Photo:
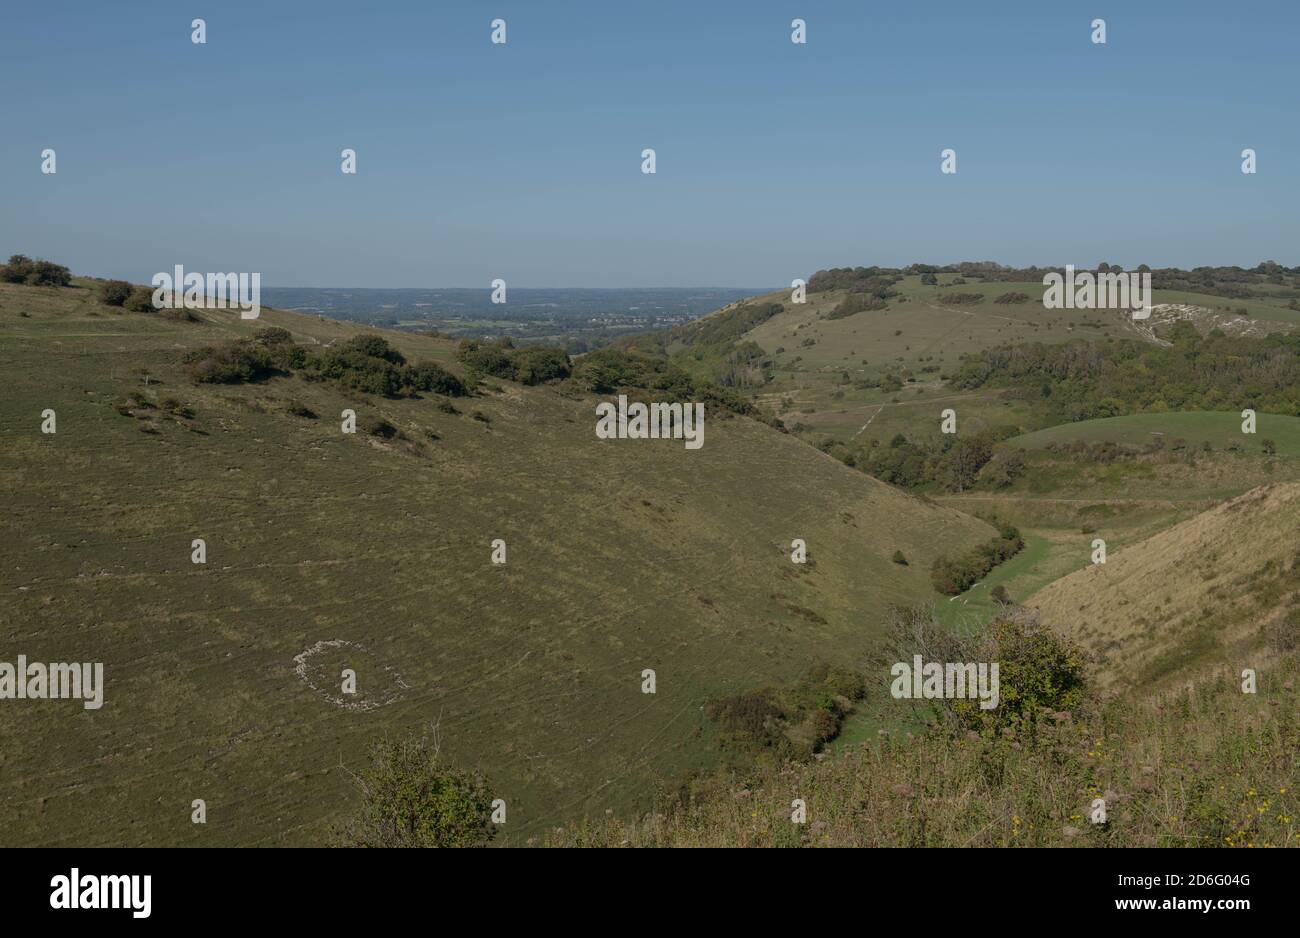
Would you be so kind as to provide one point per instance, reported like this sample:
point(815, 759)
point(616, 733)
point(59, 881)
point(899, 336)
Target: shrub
point(410, 798)
point(899, 558)
point(488, 358)
point(234, 363)
point(961, 299)
point(140, 300)
point(368, 363)
point(953, 577)
point(539, 364)
point(22, 269)
point(115, 292)
point(272, 336)
point(378, 426)
point(427, 376)
point(857, 303)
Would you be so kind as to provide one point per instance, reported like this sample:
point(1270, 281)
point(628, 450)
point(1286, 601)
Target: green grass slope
point(821, 364)
point(374, 555)
point(1222, 587)
point(1219, 429)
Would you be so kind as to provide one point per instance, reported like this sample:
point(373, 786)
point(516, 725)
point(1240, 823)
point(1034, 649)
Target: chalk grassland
point(1222, 586)
point(819, 389)
point(1197, 766)
point(373, 554)
point(1219, 429)
point(817, 360)
point(1064, 502)
point(1180, 755)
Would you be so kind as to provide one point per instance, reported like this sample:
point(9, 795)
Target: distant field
point(1219, 429)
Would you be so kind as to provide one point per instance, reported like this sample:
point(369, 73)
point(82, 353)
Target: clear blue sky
point(523, 161)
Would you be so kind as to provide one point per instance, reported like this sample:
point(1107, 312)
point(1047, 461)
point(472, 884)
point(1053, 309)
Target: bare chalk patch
point(321, 668)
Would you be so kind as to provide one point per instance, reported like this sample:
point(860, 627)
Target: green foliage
point(608, 371)
point(726, 327)
point(953, 576)
point(857, 303)
point(899, 558)
point(534, 364)
point(38, 273)
point(233, 363)
point(1091, 380)
point(790, 721)
point(953, 465)
point(854, 279)
point(410, 798)
point(1037, 671)
point(367, 363)
point(961, 299)
point(114, 292)
point(140, 300)
point(272, 336)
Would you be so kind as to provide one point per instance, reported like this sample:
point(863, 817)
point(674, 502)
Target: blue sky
point(522, 161)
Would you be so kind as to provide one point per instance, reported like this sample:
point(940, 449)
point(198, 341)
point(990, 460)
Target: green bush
point(410, 798)
point(272, 336)
point(488, 358)
point(369, 364)
point(1037, 671)
point(539, 364)
point(535, 364)
point(114, 292)
point(953, 577)
point(427, 376)
point(233, 363)
point(22, 269)
point(140, 300)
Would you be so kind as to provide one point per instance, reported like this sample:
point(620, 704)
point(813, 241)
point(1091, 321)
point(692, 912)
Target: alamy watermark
point(208, 291)
point(637, 421)
point(78, 891)
point(56, 681)
point(922, 680)
point(1104, 290)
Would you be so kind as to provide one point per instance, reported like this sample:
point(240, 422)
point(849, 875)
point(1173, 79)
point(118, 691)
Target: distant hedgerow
point(961, 299)
point(953, 577)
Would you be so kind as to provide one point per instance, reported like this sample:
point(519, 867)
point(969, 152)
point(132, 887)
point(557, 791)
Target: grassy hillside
point(328, 551)
point(1202, 766)
point(1221, 587)
point(1162, 732)
point(1219, 429)
point(825, 369)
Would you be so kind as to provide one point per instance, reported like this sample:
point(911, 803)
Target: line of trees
point(954, 576)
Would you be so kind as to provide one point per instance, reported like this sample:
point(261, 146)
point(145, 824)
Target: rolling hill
point(1222, 587)
point(371, 552)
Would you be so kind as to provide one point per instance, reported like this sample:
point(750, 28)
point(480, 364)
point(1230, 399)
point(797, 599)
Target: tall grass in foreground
point(1203, 766)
